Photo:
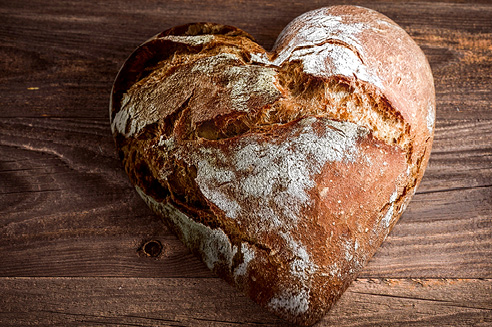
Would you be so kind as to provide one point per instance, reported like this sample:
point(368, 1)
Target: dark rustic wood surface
point(72, 229)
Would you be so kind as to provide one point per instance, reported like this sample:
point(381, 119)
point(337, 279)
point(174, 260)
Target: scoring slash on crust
point(285, 170)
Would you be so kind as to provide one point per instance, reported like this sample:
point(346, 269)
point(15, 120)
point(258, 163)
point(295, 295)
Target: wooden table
point(74, 235)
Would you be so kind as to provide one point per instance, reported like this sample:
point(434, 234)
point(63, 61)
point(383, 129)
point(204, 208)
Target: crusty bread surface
point(283, 171)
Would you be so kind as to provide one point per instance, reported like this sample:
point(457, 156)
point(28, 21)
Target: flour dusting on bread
point(270, 175)
point(325, 44)
point(190, 39)
point(292, 302)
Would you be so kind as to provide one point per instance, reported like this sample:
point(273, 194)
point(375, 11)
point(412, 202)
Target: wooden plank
point(414, 302)
point(211, 302)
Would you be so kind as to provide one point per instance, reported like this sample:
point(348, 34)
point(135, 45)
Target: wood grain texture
point(165, 302)
point(72, 227)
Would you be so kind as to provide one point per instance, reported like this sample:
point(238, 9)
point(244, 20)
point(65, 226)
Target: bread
point(283, 171)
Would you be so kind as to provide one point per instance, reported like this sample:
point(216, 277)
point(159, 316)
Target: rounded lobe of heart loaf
point(283, 171)
point(364, 44)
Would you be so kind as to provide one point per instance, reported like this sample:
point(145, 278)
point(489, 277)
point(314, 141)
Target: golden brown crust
point(283, 171)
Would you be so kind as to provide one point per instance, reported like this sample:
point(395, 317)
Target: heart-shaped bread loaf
point(283, 171)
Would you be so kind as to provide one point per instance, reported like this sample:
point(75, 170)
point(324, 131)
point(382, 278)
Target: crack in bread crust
point(294, 94)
